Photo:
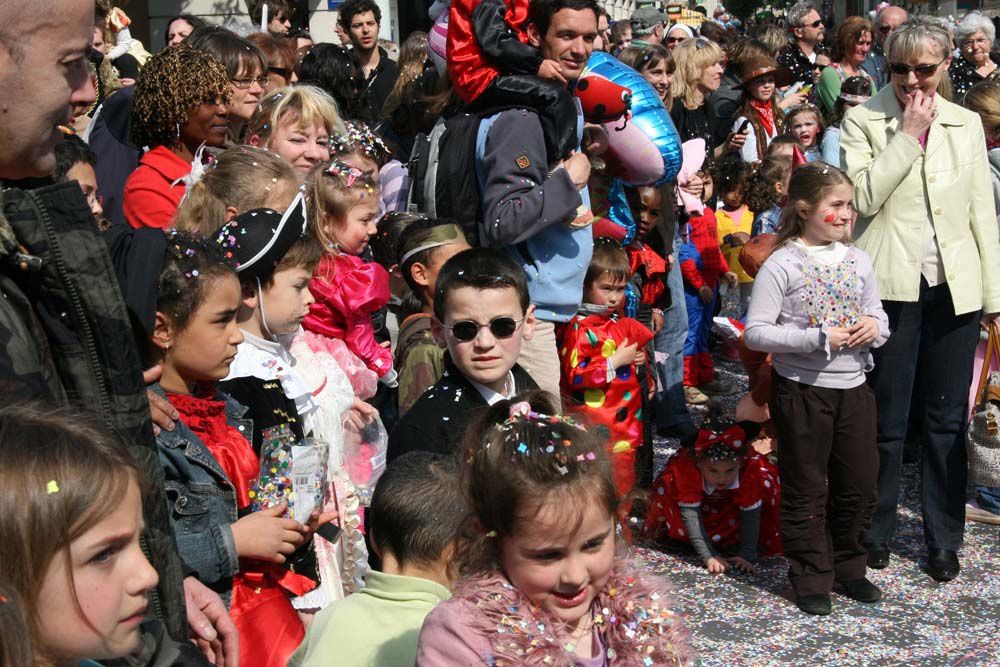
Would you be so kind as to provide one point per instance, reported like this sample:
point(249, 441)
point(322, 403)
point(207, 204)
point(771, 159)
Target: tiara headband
point(438, 236)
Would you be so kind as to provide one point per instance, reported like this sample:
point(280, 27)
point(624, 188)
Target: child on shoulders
point(545, 580)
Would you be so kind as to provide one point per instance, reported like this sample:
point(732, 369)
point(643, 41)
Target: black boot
point(862, 590)
point(817, 605)
point(942, 564)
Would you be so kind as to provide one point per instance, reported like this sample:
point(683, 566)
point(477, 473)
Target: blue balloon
point(644, 148)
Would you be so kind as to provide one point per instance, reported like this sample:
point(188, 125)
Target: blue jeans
point(988, 498)
point(671, 408)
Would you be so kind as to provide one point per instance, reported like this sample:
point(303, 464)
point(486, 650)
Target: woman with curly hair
point(180, 106)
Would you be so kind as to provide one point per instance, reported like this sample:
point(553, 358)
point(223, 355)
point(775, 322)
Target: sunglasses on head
point(500, 327)
point(922, 71)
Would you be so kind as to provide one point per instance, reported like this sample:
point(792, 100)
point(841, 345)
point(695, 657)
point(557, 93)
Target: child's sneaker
point(716, 388)
point(694, 396)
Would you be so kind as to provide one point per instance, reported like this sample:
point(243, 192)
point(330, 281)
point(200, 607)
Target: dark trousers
point(926, 335)
point(828, 465)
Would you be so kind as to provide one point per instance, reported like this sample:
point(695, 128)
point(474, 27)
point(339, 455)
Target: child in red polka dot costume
point(722, 498)
point(599, 351)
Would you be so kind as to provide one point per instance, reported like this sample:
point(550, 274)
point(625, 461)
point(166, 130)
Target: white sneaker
point(973, 512)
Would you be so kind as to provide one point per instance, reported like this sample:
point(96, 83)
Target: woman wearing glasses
point(926, 218)
point(974, 36)
point(246, 68)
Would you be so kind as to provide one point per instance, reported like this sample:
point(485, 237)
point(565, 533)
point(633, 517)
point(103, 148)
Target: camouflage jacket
point(65, 336)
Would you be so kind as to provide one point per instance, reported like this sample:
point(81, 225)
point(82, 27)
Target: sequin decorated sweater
point(798, 295)
point(488, 622)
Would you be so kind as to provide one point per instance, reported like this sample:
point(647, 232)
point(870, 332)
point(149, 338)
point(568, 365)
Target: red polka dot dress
point(681, 482)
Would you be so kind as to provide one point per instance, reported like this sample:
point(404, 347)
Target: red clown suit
point(609, 398)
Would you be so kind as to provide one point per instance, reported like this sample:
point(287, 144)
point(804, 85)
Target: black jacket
point(438, 420)
point(380, 83)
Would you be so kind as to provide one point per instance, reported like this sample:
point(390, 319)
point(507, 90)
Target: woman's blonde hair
point(333, 188)
point(692, 57)
point(911, 38)
point(308, 105)
point(62, 474)
point(809, 185)
point(242, 177)
point(984, 99)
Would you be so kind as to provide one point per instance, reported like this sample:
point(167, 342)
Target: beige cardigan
point(897, 184)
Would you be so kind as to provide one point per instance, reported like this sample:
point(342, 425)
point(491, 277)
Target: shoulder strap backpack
point(983, 435)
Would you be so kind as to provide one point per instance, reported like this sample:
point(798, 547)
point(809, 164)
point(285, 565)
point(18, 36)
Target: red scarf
point(765, 111)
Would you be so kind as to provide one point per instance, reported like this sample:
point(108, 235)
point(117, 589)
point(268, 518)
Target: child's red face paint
point(829, 216)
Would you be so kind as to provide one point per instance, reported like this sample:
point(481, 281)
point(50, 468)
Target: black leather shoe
point(862, 590)
point(942, 564)
point(878, 557)
point(817, 605)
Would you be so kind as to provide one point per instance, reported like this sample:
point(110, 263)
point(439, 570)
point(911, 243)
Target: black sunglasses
point(815, 24)
point(283, 72)
point(500, 327)
point(922, 71)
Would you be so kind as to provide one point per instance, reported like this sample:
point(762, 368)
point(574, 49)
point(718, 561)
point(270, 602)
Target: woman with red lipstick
point(926, 216)
point(180, 106)
point(850, 48)
point(545, 580)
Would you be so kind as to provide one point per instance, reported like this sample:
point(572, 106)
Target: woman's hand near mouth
point(918, 114)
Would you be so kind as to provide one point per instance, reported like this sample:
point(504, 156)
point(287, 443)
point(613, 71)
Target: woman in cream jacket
point(926, 218)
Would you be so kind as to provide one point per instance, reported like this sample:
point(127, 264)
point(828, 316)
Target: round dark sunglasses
point(500, 327)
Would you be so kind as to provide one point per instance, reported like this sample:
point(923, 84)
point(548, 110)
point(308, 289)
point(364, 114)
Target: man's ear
point(529, 323)
point(163, 332)
point(249, 296)
point(534, 37)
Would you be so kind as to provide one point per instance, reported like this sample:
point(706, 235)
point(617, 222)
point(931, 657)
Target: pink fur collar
point(633, 614)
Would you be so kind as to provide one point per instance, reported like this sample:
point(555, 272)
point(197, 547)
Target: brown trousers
point(828, 464)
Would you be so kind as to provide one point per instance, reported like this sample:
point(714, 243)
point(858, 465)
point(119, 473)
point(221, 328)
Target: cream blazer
point(898, 184)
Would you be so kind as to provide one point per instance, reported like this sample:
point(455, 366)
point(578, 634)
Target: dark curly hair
point(335, 70)
point(760, 191)
point(171, 84)
point(729, 174)
point(190, 266)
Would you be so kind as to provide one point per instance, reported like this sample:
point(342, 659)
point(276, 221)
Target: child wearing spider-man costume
point(600, 352)
point(493, 66)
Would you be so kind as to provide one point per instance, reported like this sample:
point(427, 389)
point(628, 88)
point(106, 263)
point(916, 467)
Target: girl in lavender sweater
point(546, 581)
point(816, 309)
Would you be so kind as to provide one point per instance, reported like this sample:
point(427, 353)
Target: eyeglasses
point(500, 327)
point(815, 24)
point(979, 41)
point(675, 40)
point(283, 72)
point(243, 84)
point(885, 29)
point(922, 71)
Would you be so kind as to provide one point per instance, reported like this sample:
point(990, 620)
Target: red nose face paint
point(830, 216)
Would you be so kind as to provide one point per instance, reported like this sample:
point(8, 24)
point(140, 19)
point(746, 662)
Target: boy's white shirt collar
point(492, 397)
point(271, 360)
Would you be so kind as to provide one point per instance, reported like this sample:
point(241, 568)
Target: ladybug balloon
point(644, 148)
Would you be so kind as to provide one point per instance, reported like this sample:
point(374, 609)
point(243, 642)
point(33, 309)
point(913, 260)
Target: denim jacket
point(201, 500)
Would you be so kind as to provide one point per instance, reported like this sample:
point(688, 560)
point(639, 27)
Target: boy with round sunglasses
point(482, 314)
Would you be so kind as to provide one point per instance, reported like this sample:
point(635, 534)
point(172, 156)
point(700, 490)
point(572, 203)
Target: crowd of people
point(314, 355)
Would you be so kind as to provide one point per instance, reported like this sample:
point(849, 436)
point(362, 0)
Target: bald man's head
point(887, 21)
point(43, 73)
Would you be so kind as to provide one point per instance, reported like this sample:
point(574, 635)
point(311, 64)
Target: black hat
point(257, 240)
point(127, 66)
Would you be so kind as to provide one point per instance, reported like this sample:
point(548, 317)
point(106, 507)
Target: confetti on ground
point(750, 620)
